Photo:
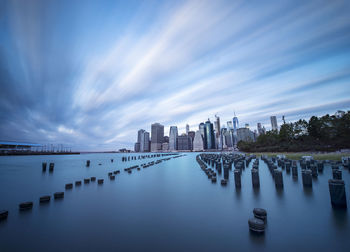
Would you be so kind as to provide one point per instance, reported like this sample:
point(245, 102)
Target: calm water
point(171, 206)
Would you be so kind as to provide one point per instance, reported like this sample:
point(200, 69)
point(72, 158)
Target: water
point(171, 206)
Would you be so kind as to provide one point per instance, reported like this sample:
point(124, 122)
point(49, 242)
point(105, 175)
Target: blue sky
point(89, 74)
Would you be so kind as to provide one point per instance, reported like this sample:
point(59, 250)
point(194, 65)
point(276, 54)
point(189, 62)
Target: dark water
point(171, 206)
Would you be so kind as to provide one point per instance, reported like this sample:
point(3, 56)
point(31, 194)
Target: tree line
point(326, 133)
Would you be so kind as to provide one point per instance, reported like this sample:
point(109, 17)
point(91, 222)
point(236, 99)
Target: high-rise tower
point(274, 125)
point(173, 134)
point(157, 137)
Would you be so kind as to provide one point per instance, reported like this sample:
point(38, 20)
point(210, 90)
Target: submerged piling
point(237, 176)
point(255, 178)
point(307, 179)
point(337, 193)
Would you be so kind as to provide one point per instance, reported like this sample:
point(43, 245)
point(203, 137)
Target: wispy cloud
point(91, 75)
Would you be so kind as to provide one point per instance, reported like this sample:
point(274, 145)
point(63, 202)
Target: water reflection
point(257, 238)
point(279, 192)
point(256, 191)
point(340, 217)
point(238, 192)
point(307, 191)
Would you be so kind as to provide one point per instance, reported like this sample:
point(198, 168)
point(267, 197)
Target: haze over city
point(91, 75)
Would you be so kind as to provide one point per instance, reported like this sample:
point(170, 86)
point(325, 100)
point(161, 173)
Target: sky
point(89, 74)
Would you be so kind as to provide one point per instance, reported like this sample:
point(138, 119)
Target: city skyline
point(90, 76)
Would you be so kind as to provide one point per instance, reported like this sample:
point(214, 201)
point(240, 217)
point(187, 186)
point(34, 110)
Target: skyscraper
point(235, 122)
point(173, 134)
point(198, 144)
point(144, 142)
point(223, 137)
point(157, 137)
point(139, 133)
point(191, 134)
point(187, 129)
point(217, 132)
point(274, 125)
point(229, 125)
point(183, 142)
point(202, 131)
point(209, 132)
point(260, 129)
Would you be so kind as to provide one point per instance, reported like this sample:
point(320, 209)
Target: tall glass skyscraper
point(274, 125)
point(157, 137)
point(209, 132)
point(202, 131)
point(173, 134)
point(235, 123)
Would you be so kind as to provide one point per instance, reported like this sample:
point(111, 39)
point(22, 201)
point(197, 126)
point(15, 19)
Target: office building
point(202, 131)
point(187, 129)
point(198, 144)
point(173, 134)
point(137, 147)
point(274, 125)
point(209, 132)
point(157, 137)
point(144, 142)
point(183, 143)
point(191, 134)
point(218, 143)
point(244, 134)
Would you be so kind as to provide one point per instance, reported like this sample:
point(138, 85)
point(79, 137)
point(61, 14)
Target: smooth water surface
point(171, 206)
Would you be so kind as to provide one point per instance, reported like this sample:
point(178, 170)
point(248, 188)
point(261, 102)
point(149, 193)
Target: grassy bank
point(298, 155)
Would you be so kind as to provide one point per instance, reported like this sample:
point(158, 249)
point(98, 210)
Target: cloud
point(91, 75)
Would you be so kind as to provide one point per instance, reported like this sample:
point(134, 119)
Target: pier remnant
point(337, 192)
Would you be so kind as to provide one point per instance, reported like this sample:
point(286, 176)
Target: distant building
point(247, 125)
point(166, 139)
point(223, 138)
point(244, 134)
point(165, 146)
point(183, 142)
point(235, 122)
point(145, 143)
point(274, 125)
point(137, 147)
point(260, 130)
point(209, 132)
point(229, 125)
point(198, 144)
point(218, 143)
point(202, 131)
point(157, 137)
point(173, 134)
point(191, 134)
point(139, 133)
point(187, 129)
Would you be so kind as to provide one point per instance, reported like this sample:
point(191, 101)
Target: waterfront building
point(165, 146)
point(260, 130)
point(274, 125)
point(157, 137)
point(173, 134)
point(191, 134)
point(235, 122)
point(209, 132)
point(244, 134)
point(137, 147)
point(223, 138)
point(202, 131)
point(217, 133)
point(144, 142)
point(183, 142)
point(229, 138)
point(198, 144)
